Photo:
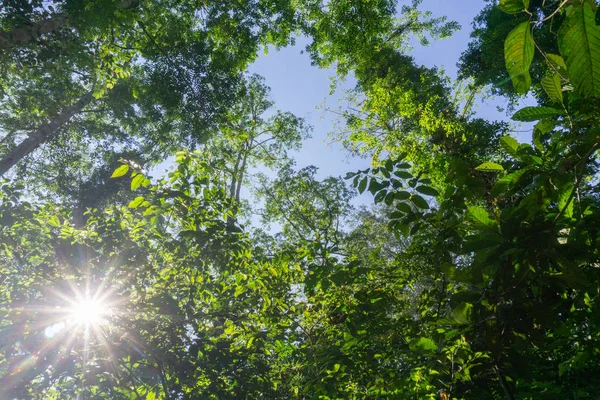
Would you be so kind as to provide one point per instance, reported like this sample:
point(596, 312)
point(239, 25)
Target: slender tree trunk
point(234, 176)
point(503, 383)
point(45, 133)
point(232, 186)
point(241, 177)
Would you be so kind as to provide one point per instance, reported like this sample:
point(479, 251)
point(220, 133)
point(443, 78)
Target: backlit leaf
point(509, 145)
point(513, 6)
point(489, 167)
point(579, 44)
point(529, 114)
point(552, 87)
point(122, 170)
point(137, 181)
point(480, 216)
point(423, 343)
point(518, 54)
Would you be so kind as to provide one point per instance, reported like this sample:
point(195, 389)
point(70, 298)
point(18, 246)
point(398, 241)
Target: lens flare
point(88, 312)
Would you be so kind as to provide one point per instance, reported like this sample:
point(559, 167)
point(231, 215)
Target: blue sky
point(299, 87)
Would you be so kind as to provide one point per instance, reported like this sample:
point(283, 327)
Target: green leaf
point(501, 186)
point(404, 207)
point(518, 54)
point(509, 145)
point(426, 190)
point(557, 63)
point(380, 196)
point(137, 181)
point(513, 6)
point(529, 114)
point(565, 201)
point(54, 221)
point(419, 202)
point(507, 182)
point(402, 195)
point(336, 367)
point(403, 174)
point(462, 313)
point(579, 44)
point(362, 185)
point(552, 87)
point(122, 170)
point(489, 167)
point(135, 203)
point(423, 344)
point(389, 198)
point(480, 216)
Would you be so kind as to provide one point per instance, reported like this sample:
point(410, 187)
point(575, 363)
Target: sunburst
point(89, 312)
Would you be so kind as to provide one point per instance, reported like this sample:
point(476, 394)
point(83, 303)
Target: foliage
point(475, 274)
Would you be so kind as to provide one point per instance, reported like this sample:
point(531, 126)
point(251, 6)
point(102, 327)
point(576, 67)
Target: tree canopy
point(474, 273)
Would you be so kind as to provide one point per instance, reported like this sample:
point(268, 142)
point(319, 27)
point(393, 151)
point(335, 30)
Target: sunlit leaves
point(122, 170)
point(480, 216)
point(137, 181)
point(518, 54)
point(579, 44)
point(136, 202)
point(490, 167)
point(423, 344)
point(462, 313)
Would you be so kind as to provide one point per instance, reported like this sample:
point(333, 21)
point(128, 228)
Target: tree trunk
point(234, 176)
point(232, 186)
point(241, 177)
point(45, 133)
point(503, 383)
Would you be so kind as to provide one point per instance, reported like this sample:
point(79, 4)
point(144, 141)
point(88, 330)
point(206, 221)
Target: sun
point(88, 312)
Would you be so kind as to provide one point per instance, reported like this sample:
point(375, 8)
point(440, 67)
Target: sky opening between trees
point(469, 270)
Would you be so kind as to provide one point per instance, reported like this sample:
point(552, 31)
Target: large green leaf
point(419, 202)
point(429, 191)
point(507, 182)
point(518, 54)
point(509, 145)
point(579, 44)
point(122, 170)
point(552, 87)
point(489, 167)
point(513, 6)
point(529, 114)
point(557, 63)
point(423, 344)
point(480, 216)
point(462, 313)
